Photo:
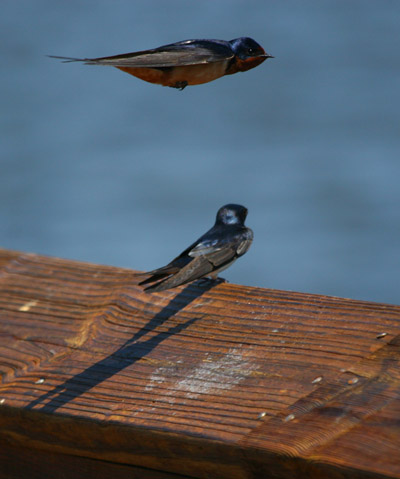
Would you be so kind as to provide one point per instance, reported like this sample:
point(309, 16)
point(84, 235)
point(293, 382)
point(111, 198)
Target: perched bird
point(190, 62)
point(213, 252)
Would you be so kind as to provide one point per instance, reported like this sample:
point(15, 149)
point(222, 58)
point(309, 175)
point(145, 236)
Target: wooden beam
point(203, 381)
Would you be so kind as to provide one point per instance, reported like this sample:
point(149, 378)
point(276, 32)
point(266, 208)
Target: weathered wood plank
point(38, 464)
point(218, 381)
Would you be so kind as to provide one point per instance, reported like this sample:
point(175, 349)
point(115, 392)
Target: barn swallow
point(190, 62)
point(213, 252)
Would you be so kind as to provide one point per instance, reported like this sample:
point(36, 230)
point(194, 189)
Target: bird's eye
point(250, 51)
point(230, 218)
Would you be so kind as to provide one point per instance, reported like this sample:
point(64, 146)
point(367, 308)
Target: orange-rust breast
point(243, 65)
point(151, 75)
point(189, 74)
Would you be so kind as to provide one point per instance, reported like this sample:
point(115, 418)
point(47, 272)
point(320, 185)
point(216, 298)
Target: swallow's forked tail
point(68, 59)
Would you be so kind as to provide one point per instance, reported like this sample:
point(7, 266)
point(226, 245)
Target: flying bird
point(190, 62)
point(213, 252)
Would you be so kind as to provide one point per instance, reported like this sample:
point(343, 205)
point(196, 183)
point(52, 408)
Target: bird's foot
point(213, 279)
point(180, 85)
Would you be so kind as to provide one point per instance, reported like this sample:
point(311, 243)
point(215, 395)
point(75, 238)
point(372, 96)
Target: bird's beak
point(268, 56)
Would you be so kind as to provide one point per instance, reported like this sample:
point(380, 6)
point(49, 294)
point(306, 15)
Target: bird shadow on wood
point(131, 351)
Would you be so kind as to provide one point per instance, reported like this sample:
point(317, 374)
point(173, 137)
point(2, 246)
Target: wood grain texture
point(203, 381)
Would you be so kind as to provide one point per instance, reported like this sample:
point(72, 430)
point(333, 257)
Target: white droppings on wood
point(27, 306)
point(211, 376)
point(223, 373)
point(290, 417)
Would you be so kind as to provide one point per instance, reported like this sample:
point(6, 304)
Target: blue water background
point(99, 166)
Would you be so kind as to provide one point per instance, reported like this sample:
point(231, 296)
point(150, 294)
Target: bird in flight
point(213, 252)
point(190, 62)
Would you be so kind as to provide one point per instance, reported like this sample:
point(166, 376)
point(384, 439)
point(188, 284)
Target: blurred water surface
point(99, 166)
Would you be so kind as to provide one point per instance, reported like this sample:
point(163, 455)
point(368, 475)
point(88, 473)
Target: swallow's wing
point(208, 255)
point(220, 248)
point(189, 52)
point(197, 268)
point(162, 59)
point(245, 244)
point(173, 267)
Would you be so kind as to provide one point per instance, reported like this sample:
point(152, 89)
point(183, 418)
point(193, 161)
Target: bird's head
point(231, 215)
point(246, 48)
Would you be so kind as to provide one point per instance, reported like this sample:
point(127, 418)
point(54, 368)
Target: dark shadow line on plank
point(131, 351)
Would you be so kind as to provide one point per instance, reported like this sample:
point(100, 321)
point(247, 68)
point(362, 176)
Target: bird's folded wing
point(196, 269)
point(161, 59)
point(244, 245)
point(204, 247)
point(219, 252)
